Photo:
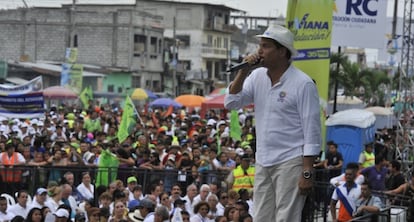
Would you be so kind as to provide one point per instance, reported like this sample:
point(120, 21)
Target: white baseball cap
point(62, 213)
point(281, 35)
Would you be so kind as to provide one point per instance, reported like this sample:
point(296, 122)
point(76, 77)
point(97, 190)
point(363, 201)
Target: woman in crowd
point(35, 215)
point(85, 188)
point(119, 213)
point(231, 213)
point(56, 160)
point(55, 200)
point(200, 212)
point(165, 201)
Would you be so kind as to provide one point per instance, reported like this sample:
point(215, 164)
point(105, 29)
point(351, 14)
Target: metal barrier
point(32, 177)
point(316, 206)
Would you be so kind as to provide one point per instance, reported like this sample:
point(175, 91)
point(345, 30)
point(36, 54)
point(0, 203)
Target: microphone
point(242, 66)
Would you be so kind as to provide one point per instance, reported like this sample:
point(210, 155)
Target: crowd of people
point(366, 187)
point(200, 168)
point(65, 148)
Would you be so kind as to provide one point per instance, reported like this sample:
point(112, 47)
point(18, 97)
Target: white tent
point(384, 116)
point(352, 117)
point(345, 102)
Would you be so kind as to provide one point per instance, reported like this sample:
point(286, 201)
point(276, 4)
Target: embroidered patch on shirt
point(282, 96)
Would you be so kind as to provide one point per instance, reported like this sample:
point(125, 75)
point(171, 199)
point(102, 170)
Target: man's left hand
point(305, 186)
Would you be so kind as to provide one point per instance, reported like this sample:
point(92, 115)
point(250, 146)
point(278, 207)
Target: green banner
point(71, 55)
point(85, 96)
point(311, 22)
point(75, 77)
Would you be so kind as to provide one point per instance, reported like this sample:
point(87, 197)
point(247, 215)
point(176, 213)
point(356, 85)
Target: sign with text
point(359, 23)
point(34, 85)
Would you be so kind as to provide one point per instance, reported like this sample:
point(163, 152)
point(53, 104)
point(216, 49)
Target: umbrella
point(59, 92)
point(142, 94)
point(189, 100)
point(165, 102)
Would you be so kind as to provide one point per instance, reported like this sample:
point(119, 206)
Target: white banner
point(359, 23)
point(35, 85)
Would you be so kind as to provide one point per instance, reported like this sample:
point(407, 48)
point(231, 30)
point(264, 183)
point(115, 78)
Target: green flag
point(85, 96)
point(235, 129)
point(107, 168)
point(128, 120)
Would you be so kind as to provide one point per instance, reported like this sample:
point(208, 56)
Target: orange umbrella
point(189, 100)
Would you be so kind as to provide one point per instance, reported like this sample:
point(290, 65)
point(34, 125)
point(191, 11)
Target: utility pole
point(175, 58)
point(72, 24)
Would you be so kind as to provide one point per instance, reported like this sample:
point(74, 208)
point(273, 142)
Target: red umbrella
point(59, 92)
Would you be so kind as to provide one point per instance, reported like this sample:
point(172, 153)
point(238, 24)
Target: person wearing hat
point(131, 184)
point(242, 177)
point(61, 215)
point(39, 199)
point(146, 207)
point(288, 126)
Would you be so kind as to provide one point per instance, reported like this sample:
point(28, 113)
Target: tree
point(356, 81)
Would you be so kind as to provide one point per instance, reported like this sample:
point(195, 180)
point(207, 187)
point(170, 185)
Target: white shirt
point(198, 218)
point(52, 205)
point(85, 192)
point(197, 199)
point(350, 196)
point(35, 204)
point(189, 205)
point(6, 216)
point(287, 114)
point(149, 217)
point(17, 209)
point(220, 209)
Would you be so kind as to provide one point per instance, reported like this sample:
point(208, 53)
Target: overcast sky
point(272, 8)
point(252, 7)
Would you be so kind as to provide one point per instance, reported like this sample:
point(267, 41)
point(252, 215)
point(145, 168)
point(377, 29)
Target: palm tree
point(378, 81)
point(335, 71)
point(357, 81)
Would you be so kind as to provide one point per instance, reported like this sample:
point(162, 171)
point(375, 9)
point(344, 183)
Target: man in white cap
point(287, 116)
point(39, 199)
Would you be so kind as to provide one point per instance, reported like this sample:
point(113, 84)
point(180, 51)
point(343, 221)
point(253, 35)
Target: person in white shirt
point(189, 198)
point(131, 184)
point(222, 203)
point(204, 193)
point(146, 208)
point(4, 214)
point(85, 188)
point(20, 208)
point(288, 126)
point(39, 199)
point(340, 180)
point(55, 199)
point(67, 198)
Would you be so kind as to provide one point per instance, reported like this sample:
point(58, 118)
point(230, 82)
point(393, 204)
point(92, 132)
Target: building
point(124, 43)
point(197, 42)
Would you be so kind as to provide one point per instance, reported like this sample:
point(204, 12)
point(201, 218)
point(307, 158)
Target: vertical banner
point(312, 30)
point(75, 81)
point(72, 73)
